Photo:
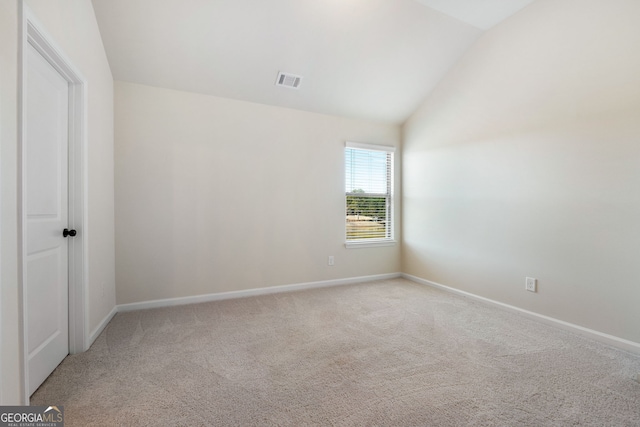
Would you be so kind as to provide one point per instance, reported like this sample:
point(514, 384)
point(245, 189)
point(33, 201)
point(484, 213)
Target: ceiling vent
point(288, 80)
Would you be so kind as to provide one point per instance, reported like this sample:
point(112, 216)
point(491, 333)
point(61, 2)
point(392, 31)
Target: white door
point(46, 200)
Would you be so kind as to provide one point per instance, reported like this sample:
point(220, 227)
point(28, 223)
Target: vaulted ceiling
point(370, 59)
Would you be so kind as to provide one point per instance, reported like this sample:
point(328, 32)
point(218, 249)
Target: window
point(369, 194)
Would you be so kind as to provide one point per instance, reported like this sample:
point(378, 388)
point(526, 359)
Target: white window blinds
point(369, 192)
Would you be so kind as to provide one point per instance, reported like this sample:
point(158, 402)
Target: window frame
point(373, 242)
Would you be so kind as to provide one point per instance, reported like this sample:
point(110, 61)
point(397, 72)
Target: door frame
point(33, 33)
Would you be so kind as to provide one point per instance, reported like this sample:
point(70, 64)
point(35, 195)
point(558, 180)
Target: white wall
point(217, 195)
point(10, 386)
point(73, 27)
point(524, 162)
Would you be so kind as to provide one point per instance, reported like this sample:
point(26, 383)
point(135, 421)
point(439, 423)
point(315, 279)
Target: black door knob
point(66, 232)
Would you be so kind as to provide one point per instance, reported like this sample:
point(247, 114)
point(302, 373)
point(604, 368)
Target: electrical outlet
point(331, 260)
point(530, 284)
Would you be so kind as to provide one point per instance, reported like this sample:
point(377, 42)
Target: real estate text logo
point(31, 416)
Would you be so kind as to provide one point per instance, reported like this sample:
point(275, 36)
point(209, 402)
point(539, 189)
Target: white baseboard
point(251, 292)
point(611, 340)
point(98, 330)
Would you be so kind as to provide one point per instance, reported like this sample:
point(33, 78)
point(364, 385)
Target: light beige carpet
point(390, 353)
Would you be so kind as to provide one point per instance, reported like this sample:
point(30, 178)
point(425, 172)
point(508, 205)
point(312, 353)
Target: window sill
point(369, 244)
